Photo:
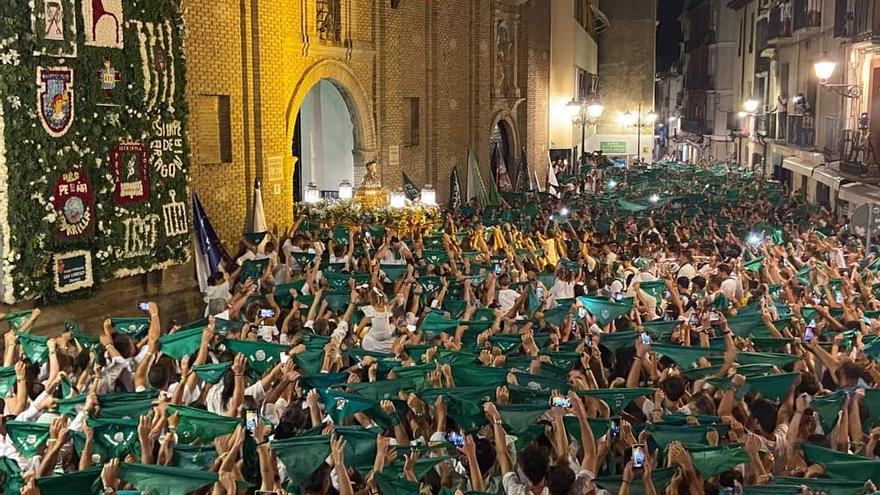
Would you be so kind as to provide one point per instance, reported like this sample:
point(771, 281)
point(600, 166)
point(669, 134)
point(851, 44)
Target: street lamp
point(824, 68)
point(583, 113)
point(638, 120)
point(312, 194)
point(751, 105)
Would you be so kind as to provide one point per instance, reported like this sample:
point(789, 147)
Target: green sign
point(613, 147)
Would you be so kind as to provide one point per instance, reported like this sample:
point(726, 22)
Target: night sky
point(668, 32)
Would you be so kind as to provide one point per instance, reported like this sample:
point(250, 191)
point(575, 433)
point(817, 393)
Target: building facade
point(421, 81)
point(626, 71)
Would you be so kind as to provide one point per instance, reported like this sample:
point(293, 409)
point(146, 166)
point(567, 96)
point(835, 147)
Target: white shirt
point(507, 299)
point(380, 338)
point(214, 400)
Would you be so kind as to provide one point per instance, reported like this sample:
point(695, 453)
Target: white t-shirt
point(380, 337)
point(507, 299)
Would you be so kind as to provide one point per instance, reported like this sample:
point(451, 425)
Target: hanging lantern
point(312, 194)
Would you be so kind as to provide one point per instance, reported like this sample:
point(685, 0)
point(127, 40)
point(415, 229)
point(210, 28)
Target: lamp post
point(638, 121)
point(583, 113)
point(824, 70)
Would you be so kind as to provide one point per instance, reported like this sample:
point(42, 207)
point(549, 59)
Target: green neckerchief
point(826, 407)
point(117, 437)
point(198, 457)
point(816, 454)
point(303, 259)
point(337, 282)
point(853, 470)
point(685, 357)
point(604, 310)
point(390, 484)
point(393, 272)
point(423, 466)
point(474, 375)
point(381, 389)
point(323, 380)
point(618, 340)
point(18, 318)
point(282, 294)
point(261, 356)
point(181, 343)
point(617, 398)
point(654, 288)
point(771, 387)
point(36, 347)
point(776, 359)
point(660, 330)
point(360, 448)
point(822, 485)
point(253, 269)
point(435, 323)
point(27, 437)
point(10, 476)
point(518, 417)
point(165, 480)
point(73, 482)
point(661, 478)
point(664, 434)
point(435, 257)
point(133, 327)
point(342, 405)
point(710, 461)
point(7, 380)
point(754, 265)
point(302, 455)
point(201, 425)
point(255, 238)
point(211, 373)
point(770, 344)
point(338, 301)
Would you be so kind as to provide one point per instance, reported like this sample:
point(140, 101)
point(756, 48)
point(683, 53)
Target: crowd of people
point(673, 328)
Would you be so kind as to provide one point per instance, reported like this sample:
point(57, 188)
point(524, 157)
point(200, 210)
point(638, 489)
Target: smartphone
point(497, 268)
point(588, 341)
point(267, 313)
point(455, 438)
point(614, 429)
point(563, 402)
point(250, 420)
point(638, 456)
point(367, 234)
point(582, 312)
point(667, 294)
point(838, 296)
point(618, 296)
point(713, 316)
point(646, 339)
point(144, 306)
point(809, 334)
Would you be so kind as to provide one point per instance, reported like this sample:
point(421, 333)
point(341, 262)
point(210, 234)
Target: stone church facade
point(467, 64)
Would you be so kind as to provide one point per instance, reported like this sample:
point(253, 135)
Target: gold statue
point(371, 194)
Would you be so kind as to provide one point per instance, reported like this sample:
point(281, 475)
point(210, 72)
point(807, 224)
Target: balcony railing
point(807, 14)
point(857, 19)
point(801, 131)
point(836, 129)
point(780, 21)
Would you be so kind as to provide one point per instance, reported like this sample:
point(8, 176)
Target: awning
point(829, 177)
point(856, 193)
point(799, 165)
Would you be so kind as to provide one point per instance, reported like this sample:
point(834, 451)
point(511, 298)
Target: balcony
point(858, 20)
point(834, 135)
point(807, 14)
point(780, 21)
point(772, 125)
point(801, 131)
point(696, 126)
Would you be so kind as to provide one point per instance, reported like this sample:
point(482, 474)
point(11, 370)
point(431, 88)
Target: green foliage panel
point(124, 142)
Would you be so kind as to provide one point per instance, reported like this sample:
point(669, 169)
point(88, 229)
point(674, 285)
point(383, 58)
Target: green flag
point(618, 340)
point(772, 387)
point(754, 265)
point(262, 356)
point(27, 437)
point(181, 343)
point(435, 323)
point(302, 455)
point(165, 480)
point(393, 272)
point(212, 373)
point(7, 381)
point(35, 347)
point(827, 406)
point(392, 485)
point(603, 309)
point(198, 424)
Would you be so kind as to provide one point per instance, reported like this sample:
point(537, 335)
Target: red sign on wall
point(130, 173)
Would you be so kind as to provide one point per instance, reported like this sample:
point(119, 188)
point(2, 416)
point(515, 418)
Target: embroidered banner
point(102, 23)
point(73, 271)
point(54, 26)
point(74, 204)
point(55, 99)
point(131, 175)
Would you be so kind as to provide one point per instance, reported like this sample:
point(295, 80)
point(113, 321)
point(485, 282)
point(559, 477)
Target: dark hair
point(674, 387)
point(765, 412)
point(315, 482)
point(534, 461)
point(485, 454)
point(559, 479)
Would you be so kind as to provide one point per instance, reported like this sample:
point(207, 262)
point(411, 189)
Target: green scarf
point(302, 455)
point(685, 357)
point(342, 405)
point(198, 424)
point(165, 480)
point(212, 373)
point(181, 343)
point(117, 437)
point(27, 437)
point(133, 327)
point(518, 417)
point(616, 398)
point(710, 461)
point(262, 356)
point(605, 310)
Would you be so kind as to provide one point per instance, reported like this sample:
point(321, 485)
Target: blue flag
point(208, 252)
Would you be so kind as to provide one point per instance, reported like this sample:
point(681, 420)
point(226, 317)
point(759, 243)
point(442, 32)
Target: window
point(587, 83)
point(412, 125)
point(328, 20)
point(212, 130)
